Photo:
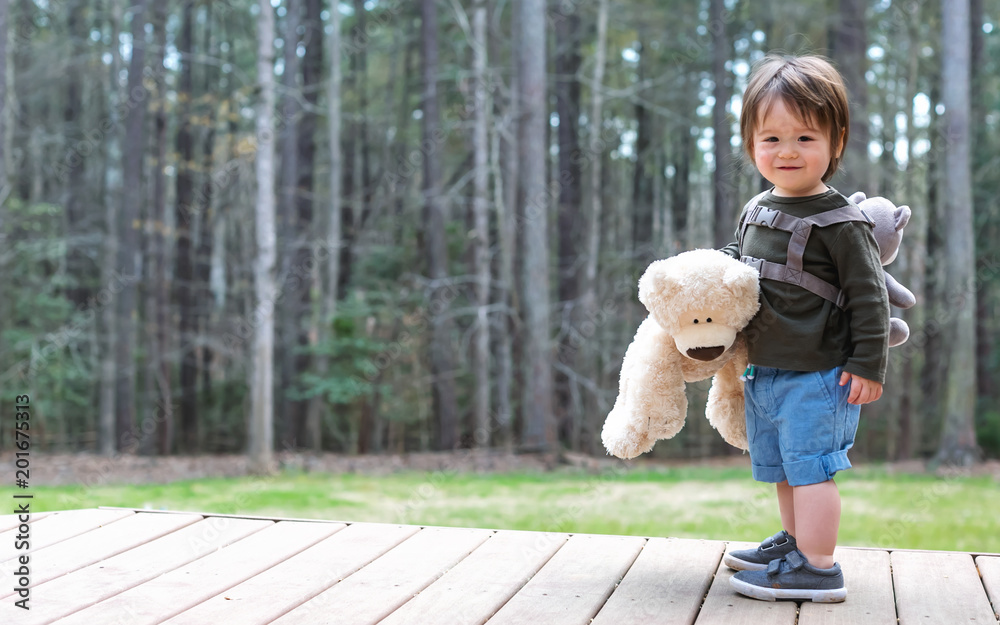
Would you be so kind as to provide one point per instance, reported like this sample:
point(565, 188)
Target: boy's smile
point(791, 153)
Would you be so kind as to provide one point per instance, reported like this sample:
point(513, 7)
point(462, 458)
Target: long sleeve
point(855, 254)
point(733, 249)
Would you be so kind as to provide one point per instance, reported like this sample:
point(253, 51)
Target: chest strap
point(800, 228)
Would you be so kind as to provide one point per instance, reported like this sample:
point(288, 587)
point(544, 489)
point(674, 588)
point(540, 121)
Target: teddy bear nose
point(705, 353)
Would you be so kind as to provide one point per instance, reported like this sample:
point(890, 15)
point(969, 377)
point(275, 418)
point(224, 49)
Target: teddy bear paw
point(623, 439)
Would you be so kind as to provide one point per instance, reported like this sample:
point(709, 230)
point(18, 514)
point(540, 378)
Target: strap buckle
point(756, 263)
point(763, 216)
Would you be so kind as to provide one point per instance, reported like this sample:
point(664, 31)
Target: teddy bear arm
point(899, 295)
point(651, 403)
point(725, 407)
point(899, 332)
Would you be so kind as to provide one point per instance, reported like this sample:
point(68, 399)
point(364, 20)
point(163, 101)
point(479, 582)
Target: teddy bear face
point(683, 292)
point(703, 334)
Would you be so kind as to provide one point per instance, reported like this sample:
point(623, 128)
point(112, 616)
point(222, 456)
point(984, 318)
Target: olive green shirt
point(800, 331)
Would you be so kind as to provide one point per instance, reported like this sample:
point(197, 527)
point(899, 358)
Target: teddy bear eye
point(696, 321)
point(709, 320)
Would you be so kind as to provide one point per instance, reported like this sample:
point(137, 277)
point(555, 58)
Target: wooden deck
point(112, 565)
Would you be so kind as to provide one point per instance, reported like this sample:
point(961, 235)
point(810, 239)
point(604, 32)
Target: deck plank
point(870, 598)
point(380, 588)
point(12, 521)
point(989, 571)
point(300, 578)
point(172, 593)
point(101, 580)
point(573, 586)
point(939, 589)
point(120, 565)
point(724, 606)
point(666, 584)
point(59, 526)
point(75, 553)
point(479, 585)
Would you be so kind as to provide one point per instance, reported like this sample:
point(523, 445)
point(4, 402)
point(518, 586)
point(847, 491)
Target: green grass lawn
point(880, 510)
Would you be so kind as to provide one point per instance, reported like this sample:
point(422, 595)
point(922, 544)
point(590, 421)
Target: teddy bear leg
point(651, 403)
point(898, 331)
point(725, 407)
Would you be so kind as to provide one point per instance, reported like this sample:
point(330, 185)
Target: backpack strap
point(751, 208)
point(800, 228)
point(803, 279)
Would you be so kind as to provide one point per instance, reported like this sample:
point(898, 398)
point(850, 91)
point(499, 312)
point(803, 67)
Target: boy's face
point(791, 153)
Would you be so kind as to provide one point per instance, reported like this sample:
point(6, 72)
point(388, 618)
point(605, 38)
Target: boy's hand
point(863, 391)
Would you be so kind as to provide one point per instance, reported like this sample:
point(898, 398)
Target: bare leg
point(786, 507)
point(817, 517)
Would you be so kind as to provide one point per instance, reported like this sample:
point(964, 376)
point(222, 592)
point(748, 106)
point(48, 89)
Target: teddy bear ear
point(654, 283)
point(858, 197)
point(902, 216)
point(740, 276)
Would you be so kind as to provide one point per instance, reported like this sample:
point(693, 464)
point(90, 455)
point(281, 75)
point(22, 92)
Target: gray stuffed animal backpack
point(889, 223)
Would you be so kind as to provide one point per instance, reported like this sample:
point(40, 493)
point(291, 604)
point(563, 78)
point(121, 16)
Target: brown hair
point(810, 86)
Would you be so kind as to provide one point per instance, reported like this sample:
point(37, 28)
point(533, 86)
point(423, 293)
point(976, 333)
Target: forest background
point(385, 226)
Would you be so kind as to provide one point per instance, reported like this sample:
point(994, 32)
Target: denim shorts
point(799, 425)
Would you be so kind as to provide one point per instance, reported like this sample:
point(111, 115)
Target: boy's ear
point(840, 142)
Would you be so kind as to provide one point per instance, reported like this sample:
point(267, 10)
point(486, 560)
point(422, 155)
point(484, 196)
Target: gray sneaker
point(792, 577)
point(773, 548)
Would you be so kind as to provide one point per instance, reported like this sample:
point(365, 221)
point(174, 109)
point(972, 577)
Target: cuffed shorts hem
point(799, 425)
point(804, 472)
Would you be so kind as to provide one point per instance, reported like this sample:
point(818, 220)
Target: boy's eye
point(770, 139)
point(805, 138)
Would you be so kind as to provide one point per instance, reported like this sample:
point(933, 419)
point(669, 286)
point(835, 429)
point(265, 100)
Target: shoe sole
point(835, 595)
point(741, 565)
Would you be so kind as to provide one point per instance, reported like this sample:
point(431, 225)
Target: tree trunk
point(723, 176)
point(397, 186)
point(184, 214)
point(506, 168)
point(159, 367)
point(78, 265)
point(287, 236)
point(567, 89)
point(206, 201)
point(328, 306)
point(132, 196)
point(539, 428)
point(436, 250)
point(312, 65)
point(356, 167)
point(5, 188)
point(982, 153)
point(4, 114)
point(958, 436)
point(642, 185)
point(935, 357)
point(107, 442)
point(587, 314)
point(914, 252)
point(260, 435)
point(570, 179)
point(680, 191)
point(588, 295)
point(481, 241)
point(850, 52)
